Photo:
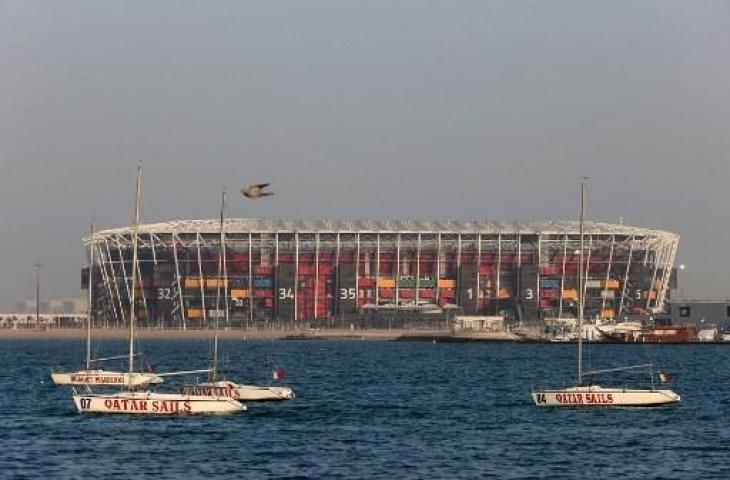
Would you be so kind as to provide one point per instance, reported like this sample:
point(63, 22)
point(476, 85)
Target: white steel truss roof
point(251, 225)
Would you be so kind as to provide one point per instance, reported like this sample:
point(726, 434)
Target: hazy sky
point(367, 109)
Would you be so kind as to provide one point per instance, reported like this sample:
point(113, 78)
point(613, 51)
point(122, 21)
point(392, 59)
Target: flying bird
point(256, 191)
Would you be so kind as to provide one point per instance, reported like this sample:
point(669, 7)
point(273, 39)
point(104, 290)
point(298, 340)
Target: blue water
point(375, 410)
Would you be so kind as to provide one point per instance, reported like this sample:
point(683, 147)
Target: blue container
point(263, 283)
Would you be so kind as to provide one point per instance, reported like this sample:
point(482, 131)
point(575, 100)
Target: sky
point(361, 109)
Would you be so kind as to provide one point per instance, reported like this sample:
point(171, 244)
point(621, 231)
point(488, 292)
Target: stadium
point(279, 274)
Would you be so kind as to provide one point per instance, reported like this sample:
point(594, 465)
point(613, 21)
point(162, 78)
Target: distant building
point(45, 321)
point(53, 305)
point(702, 313)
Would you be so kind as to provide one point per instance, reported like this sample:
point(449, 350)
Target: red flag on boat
point(278, 374)
point(665, 377)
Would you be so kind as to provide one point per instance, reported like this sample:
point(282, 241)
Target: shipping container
point(386, 283)
point(239, 293)
point(504, 293)
point(570, 294)
point(366, 282)
point(386, 292)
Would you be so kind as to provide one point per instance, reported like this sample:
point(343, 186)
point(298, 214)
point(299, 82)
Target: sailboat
point(588, 393)
point(148, 402)
point(215, 385)
point(98, 376)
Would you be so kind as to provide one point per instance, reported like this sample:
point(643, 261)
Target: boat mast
point(221, 261)
point(135, 227)
point(89, 308)
point(580, 283)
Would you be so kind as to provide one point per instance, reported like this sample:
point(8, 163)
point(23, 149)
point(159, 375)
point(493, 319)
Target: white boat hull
point(596, 396)
point(104, 377)
point(261, 393)
point(248, 393)
point(151, 403)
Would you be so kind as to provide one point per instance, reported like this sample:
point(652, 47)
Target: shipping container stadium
point(285, 274)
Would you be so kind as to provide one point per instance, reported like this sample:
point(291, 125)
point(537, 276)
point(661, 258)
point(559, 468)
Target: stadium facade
point(279, 274)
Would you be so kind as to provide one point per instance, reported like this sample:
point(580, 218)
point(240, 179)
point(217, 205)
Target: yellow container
point(214, 283)
point(611, 284)
point(191, 282)
point(195, 313)
point(571, 294)
point(386, 283)
point(240, 293)
point(607, 313)
point(446, 283)
point(504, 293)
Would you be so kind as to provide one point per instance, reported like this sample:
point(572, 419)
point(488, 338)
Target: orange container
point(571, 294)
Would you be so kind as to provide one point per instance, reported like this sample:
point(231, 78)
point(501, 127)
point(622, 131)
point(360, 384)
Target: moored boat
point(98, 376)
point(597, 396)
point(105, 377)
point(248, 393)
point(656, 334)
point(153, 403)
point(588, 393)
point(227, 388)
point(147, 402)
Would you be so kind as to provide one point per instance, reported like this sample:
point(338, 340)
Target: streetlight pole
point(37, 294)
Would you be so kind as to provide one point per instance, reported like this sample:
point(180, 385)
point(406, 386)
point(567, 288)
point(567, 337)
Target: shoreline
point(402, 335)
point(382, 335)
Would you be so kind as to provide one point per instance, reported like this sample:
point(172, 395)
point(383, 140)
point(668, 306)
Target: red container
point(366, 282)
point(263, 270)
point(263, 293)
point(468, 257)
point(485, 269)
point(508, 258)
point(405, 293)
point(306, 269)
point(326, 257)
point(549, 293)
point(446, 293)
point(425, 293)
point(386, 293)
point(549, 270)
point(269, 303)
point(286, 257)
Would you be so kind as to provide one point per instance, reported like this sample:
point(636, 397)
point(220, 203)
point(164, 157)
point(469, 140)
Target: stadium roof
point(248, 225)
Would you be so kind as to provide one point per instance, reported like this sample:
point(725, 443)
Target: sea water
point(370, 409)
